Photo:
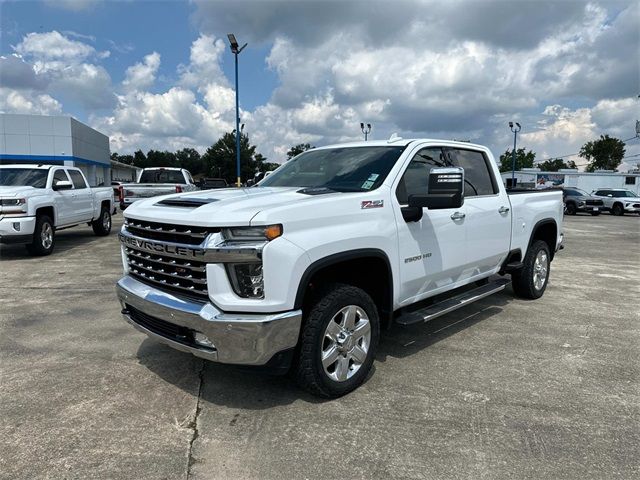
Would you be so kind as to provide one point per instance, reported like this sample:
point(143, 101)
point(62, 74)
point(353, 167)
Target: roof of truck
point(403, 142)
point(28, 165)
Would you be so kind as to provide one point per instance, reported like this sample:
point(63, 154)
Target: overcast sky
point(160, 74)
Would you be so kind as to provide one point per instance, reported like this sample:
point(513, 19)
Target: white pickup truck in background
point(156, 181)
point(38, 200)
point(305, 269)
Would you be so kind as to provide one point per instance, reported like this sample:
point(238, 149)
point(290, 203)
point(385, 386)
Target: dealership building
point(55, 140)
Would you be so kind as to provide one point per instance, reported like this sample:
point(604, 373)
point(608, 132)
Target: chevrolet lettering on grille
point(154, 247)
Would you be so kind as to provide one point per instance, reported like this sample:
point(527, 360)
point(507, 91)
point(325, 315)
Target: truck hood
point(8, 192)
point(219, 207)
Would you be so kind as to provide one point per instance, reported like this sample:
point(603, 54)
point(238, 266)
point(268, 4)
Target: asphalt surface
point(504, 388)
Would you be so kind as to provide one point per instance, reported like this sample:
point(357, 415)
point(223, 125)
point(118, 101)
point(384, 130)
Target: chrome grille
point(176, 275)
point(168, 233)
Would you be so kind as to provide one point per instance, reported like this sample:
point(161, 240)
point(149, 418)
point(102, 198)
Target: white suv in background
point(618, 200)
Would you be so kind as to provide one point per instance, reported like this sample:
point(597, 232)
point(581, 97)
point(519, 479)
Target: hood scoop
point(315, 190)
point(186, 202)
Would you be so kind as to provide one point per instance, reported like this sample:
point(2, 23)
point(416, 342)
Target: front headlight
point(248, 234)
point(247, 279)
point(13, 205)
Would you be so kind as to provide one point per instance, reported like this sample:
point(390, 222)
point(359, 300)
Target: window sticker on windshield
point(373, 177)
point(367, 185)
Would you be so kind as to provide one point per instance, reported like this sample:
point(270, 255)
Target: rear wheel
point(338, 341)
point(531, 280)
point(43, 237)
point(570, 208)
point(102, 225)
point(617, 210)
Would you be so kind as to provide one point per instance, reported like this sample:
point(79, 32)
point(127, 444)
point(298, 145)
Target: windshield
point(345, 169)
point(23, 177)
point(161, 176)
point(623, 193)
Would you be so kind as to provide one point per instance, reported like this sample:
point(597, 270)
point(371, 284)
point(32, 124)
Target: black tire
point(595, 214)
point(44, 237)
point(617, 210)
point(102, 225)
point(523, 281)
point(309, 371)
point(570, 208)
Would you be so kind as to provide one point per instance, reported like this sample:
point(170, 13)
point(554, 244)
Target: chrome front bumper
point(237, 338)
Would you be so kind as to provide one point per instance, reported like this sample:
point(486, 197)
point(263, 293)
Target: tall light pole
point(236, 49)
point(366, 131)
point(515, 131)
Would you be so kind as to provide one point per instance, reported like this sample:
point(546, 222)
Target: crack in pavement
point(194, 422)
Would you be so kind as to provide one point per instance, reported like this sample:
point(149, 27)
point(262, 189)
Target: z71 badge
point(372, 204)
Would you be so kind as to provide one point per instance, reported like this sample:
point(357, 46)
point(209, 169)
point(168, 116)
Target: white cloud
point(142, 75)
point(73, 5)
point(53, 46)
point(12, 101)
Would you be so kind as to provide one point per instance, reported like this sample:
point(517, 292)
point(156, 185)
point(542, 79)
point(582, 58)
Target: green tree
point(555, 164)
point(139, 159)
point(523, 160)
point(220, 158)
point(156, 158)
point(606, 153)
point(128, 159)
point(297, 150)
point(191, 159)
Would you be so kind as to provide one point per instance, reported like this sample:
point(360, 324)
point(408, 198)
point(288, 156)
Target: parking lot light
point(515, 131)
point(236, 49)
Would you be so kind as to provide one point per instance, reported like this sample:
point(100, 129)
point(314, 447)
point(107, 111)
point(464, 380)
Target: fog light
point(202, 340)
point(16, 226)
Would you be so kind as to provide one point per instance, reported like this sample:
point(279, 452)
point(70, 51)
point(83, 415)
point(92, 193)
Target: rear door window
point(478, 179)
point(76, 178)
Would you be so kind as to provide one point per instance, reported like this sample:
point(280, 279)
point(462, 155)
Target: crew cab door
point(487, 208)
point(62, 199)
point(432, 250)
point(82, 197)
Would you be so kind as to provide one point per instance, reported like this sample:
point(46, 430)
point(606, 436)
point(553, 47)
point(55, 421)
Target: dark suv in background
point(576, 200)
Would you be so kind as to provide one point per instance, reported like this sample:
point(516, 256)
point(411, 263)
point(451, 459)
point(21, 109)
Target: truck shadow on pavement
point(402, 341)
point(254, 389)
point(65, 241)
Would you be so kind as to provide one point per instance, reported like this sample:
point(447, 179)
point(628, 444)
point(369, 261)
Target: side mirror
point(62, 185)
point(445, 190)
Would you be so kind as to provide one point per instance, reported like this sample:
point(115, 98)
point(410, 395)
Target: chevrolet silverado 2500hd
point(38, 200)
point(305, 269)
point(156, 181)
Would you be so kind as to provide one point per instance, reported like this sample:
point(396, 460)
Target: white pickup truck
point(304, 270)
point(156, 181)
point(38, 200)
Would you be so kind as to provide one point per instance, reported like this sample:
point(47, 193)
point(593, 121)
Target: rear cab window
point(77, 179)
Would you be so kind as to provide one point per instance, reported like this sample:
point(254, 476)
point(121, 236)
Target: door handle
point(503, 210)
point(457, 216)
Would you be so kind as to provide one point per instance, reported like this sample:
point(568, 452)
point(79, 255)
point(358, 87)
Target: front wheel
point(338, 341)
point(570, 208)
point(531, 280)
point(102, 225)
point(617, 210)
point(43, 237)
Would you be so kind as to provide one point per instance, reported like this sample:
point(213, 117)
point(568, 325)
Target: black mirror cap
point(411, 214)
point(435, 201)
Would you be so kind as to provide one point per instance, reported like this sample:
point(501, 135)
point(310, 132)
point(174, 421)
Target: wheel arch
point(48, 210)
point(367, 268)
point(547, 231)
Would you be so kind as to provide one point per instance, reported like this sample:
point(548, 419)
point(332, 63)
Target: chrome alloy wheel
point(540, 267)
point(46, 236)
point(106, 221)
point(346, 343)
